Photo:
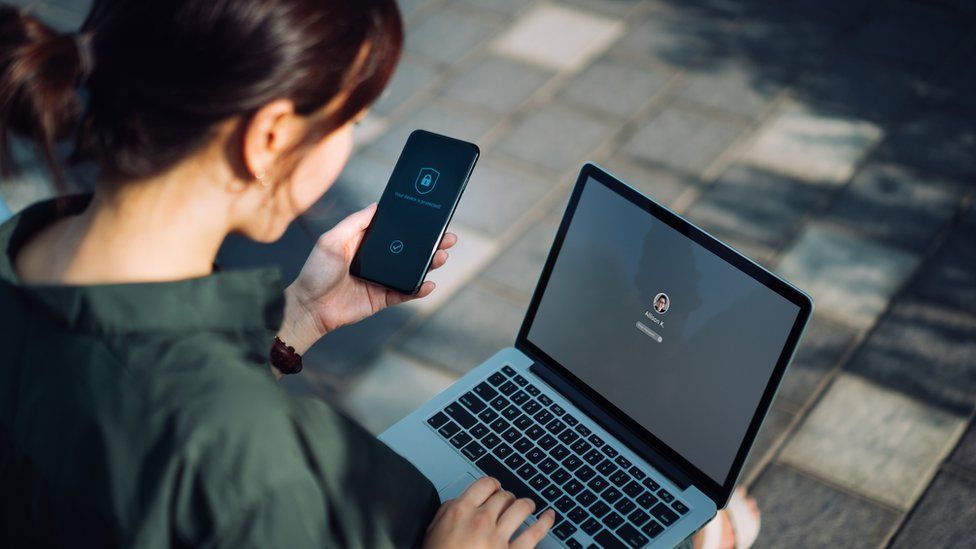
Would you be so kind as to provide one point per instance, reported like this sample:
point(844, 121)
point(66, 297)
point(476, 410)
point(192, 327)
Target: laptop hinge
point(607, 421)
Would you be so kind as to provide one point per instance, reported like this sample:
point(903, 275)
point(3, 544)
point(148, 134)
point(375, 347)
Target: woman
point(136, 403)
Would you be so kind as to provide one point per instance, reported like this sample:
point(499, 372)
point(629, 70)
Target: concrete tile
point(460, 123)
point(361, 183)
point(392, 387)
point(662, 185)
point(498, 195)
point(935, 141)
point(556, 137)
point(518, 267)
point(31, 183)
point(409, 7)
point(616, 88)
point(497, 83)
point(851, 279)
point(467, 330)
point(413, 75)
point(910, 32)
point(854, 86)
point(950, 277)
point(944, 517)
point(783, 36)
point(345, 352)
point(558, 37)
point(675, 37)
point(812, 146)
point(873, 440)
point(732, 86)
point(773, 430)
point(682, 140)
point(448, 34)
point(823, 344)
point(754, 206)
point(506, 7)
point(924, 350)
point(467, 258)
point(955, 86)
point(798, 511)
point(965, 453)
point(612, 8)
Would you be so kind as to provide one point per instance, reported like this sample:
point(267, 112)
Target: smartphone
point(414, 211)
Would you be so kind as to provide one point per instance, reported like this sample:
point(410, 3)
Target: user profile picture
point(661, 303)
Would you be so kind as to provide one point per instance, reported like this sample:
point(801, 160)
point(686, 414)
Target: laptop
point(645, 365)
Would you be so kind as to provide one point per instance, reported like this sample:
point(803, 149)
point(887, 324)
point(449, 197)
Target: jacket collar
point(226, 301)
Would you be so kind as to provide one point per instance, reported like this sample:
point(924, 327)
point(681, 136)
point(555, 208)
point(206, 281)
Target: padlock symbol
point(426, 180)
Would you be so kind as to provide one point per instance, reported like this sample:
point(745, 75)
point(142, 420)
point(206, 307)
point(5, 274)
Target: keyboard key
point(590, 526)
point(552, 493)
point(511, 435)
point(560, 475)
point(613, 520)
point(564, 530)
point(665, 495)
point(460, 415)
point(531, 407)
point(578, 515)
point(534, 432)
point(632, 536)
point(679, 507)
point(449, 430)
point(650, 484)
point(502, 451)
point(527, 471)
point(583, 430)
point(586, 497)
point(523, 422)
point(548, 465)
point(508, 388)
point(499, 402)
point(573, 487)
point(573, 544)
point(647, 500)
point(568, 436)
point(595, 440)
point(638, 517)
point(509, 371)
point(557, 409)
point(535, 455)
point(607, 467)
point(610, 494)
point(584, 473)
point(519, 397)
point(499, 425)
point(438, 420)
point(652, 529)
point(509, 481)
point(491, 440)
point(623, 462)
point(460, 439)
point(539, 482)
point(565, 504)
point(633, 489)
point(473, 451)
point(485, 391)
point(624, 505)
point(496, 379)
point(521, 381)
point(559, 452)
point(608, 541)
point(479, 430)
point(471, 402)
point(555, 426)
point(532, 390)
point(572, 462)
point(511, 412)
point(597, 484)
point(570, 420)
point(581, 447)
point(620, 478)
point(599, 509)
point(543, 417)
point(488, 415)
point(610, 451)
point(523, 445)
point(515, 461)
point(547, 442)
point(637, 473)
point(664, 514)
point(593, 457)
point(545, 400)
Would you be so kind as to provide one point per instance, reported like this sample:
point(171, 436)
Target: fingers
point(498, 502)
point(439, 513)
point(440, 258)
point(479, 492)
point(515, 515)
point(531, 536)
point(450, 239)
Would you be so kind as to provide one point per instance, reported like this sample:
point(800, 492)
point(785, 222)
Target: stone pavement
point(831, 140)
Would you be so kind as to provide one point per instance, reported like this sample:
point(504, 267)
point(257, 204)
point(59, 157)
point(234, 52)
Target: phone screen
point(414, 211)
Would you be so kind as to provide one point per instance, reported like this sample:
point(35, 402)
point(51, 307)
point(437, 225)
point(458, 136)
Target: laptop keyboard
point(514, 432)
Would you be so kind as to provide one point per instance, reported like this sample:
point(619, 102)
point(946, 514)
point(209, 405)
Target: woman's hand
point(325, 296)
point(485, 516)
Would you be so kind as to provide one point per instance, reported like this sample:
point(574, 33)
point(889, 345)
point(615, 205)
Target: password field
point(649, 332)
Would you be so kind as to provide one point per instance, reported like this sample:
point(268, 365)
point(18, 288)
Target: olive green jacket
point(145, 415)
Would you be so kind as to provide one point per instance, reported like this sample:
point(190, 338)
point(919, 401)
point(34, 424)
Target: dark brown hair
point(144, 82)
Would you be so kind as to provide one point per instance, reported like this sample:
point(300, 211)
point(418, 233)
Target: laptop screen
point(673, 335)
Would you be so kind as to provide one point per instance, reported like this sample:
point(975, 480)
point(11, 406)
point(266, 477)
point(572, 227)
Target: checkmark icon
point(396, 246)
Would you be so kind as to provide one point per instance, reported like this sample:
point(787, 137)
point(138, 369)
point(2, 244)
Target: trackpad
point(457, 487)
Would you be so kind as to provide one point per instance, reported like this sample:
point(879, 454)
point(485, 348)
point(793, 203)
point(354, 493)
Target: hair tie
point(86, 57)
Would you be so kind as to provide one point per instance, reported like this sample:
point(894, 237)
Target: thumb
point(356, 222)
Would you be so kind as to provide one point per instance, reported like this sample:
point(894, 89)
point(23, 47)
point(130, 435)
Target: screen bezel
point(718, 492)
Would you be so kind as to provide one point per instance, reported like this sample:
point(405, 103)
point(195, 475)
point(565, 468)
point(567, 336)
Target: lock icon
point(426, 180)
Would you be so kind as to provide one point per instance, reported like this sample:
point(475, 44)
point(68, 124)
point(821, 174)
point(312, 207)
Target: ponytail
point(40, 70)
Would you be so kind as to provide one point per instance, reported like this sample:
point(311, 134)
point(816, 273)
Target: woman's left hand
point(325, 296)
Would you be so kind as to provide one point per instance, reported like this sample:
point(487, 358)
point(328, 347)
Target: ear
point(272, 131)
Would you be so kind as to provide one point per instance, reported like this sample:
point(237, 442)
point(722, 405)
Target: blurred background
point(833, 141)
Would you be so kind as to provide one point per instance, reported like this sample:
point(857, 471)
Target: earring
point(261, 179)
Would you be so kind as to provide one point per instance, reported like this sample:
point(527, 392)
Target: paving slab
point(467, 330)
point(910, 32)
point(873, 440)
point(498, 195)
point(362, 181)
point(556, 136)
point(936, 142)
point(950, 277)
point(413, 76)
point(675, 37)
point(851, 279)
point(466, 259)
point(944, 517)
point(925, 350)
point(506, 7)
point(616, 88)
point(345, 352)
point(823, 344)
point(785, 37)
point(497, 83)
point(813, 146)
point(732, 86)
point(773, 430)
point(965, 453)
point(683, 140)
point(558, 37)
point(798, 511)
point(456, 122)
point(517, 269)
point(897, 205)
point(447, 34)
point(955, 87)
point(392, 387)
point(661, 184)
point(852, 85)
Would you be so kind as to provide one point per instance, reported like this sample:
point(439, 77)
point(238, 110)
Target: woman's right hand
point(485, 516)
